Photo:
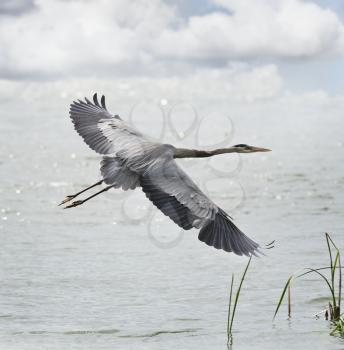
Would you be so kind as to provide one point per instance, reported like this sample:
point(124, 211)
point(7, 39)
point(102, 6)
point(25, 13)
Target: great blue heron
point(132, 160)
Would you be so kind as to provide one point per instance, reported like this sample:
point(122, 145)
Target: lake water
point(102, 276)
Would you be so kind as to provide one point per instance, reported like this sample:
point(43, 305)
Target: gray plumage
point(133, 160)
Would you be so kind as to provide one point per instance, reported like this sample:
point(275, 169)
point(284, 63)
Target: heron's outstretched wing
point(177, 196)
point(106, 133)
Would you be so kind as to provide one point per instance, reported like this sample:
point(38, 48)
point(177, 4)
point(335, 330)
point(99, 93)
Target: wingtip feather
point(102, 101)
point(95, 100)
point(221, 233)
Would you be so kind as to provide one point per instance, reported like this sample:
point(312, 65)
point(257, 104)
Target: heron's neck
point(194, 153)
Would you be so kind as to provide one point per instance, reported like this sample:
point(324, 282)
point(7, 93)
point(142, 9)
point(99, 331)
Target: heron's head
point(242, 148)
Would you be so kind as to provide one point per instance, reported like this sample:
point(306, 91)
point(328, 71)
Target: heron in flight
point(132, 160)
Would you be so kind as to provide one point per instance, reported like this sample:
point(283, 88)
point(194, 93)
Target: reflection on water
point(88, 279)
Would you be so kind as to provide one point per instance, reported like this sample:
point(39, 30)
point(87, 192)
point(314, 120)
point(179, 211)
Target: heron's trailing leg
point(76, 203)
point(69, 198)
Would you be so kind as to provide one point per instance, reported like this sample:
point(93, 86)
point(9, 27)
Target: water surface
point(90, 279)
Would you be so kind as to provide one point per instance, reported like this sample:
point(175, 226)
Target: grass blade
point(329, 250)
point(318, 269)
point(238, 294)
point(336, 260)
point(289, 302)
point(331, 240)
point(340, 284)
point(229, 310)
point(283, 295)
point(327, 282)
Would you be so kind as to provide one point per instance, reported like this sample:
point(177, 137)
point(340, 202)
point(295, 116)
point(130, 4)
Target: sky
point(241, 51)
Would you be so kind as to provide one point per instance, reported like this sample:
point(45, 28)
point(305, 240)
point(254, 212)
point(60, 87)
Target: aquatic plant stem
point(289, 302)
point(334, 305)
point(230, 336)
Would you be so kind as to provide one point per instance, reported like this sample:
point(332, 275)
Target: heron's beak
point(260, 149)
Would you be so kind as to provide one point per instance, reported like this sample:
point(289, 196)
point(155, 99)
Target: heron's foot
point(74, 204)
point(67, 199)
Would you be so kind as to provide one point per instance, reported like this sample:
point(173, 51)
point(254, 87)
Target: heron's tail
point(221, 233)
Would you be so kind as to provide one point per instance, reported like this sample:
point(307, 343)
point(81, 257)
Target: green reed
point(333, 282)
point(231, 310)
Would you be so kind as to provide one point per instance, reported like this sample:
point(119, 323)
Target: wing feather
point(167, 204)
point(171, 179)
point(106, 133)
point(232, 239)
point(178, 197)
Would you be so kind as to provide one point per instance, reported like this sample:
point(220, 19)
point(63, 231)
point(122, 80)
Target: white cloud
point(284, 28)
point(64, 38)
point(120, 38)
point(235, 83)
